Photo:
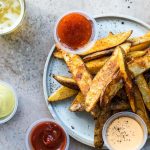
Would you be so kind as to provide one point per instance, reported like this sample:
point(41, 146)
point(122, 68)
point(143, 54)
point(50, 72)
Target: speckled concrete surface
point(23, 54)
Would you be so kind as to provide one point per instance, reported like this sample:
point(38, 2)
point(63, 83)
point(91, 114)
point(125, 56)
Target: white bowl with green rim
point(13, 110)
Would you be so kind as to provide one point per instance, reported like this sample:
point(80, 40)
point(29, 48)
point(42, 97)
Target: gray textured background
point(23, 55)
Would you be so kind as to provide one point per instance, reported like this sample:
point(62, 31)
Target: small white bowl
point(125, 114)
point(7, 118)
point(88, 45)
point(27, 138)
point(18, 22)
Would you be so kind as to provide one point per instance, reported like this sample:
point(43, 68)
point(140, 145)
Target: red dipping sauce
point(74, 30)
point(48, 136)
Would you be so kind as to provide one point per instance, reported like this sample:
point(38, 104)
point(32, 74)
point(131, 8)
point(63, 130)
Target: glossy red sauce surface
point(48, 136)
point(74, 30)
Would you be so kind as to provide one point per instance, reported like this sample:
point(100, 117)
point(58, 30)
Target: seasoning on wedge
point(140, 47)
point(141, 110)
point(79, 71)
point(125, 74)
point(144, 89)
point(103, 78)
point(139, 40)
point(66, 81)
point(109, 42)
point(100, 81)
point(98, 55)
point(58, 54)
point(136, 66)
point(78, 103)
point(136, 54)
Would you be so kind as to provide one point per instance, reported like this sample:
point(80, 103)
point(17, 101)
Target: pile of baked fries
point(110, 77)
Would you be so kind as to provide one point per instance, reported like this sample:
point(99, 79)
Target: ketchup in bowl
point(47, 135)
point(75, 31)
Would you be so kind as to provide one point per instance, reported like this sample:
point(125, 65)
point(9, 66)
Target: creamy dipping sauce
point(7, 100)
point(124, 133)
point(10, 11)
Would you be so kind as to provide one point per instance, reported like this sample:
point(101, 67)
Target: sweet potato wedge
point(66, 81)
point(97, 55)
point(79, 71)
point(125, 74)
point(61, 94)
point(109, 42)
point(144, 89)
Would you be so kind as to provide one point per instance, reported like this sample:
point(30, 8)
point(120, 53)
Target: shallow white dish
point(80, 125)
point(7, 118)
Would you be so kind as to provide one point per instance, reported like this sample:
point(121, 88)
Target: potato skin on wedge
point(62, 93)
point(137, 66)
point(136, 54)
point(144, 89)
point(79, 71)
point(78, 103)
point(102, 79)
point(139, 40)
point(58, 54)
point(141, 110)
point(94, 65)
point(125, 74)
point(140, 47)
point(98, 55)
point(109, 42)
point(66, 81)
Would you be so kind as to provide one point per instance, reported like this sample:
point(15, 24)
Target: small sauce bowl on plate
point(125, 131)
point(46, 134)
point(75, 32)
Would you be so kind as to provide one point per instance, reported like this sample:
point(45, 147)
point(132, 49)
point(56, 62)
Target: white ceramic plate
point(80, 125)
